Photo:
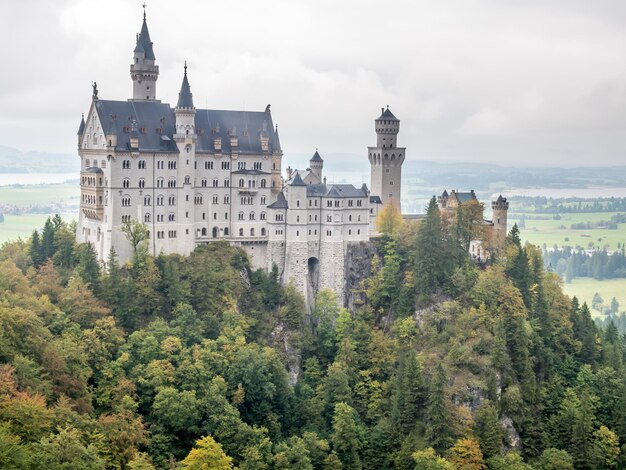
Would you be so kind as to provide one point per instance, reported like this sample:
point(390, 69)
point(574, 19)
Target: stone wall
point(358, 265)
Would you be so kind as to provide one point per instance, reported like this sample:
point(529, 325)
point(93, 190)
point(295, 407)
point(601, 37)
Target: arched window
point(187, 180)
point(252, 232)
point(241, 232)
point(226, 232)
point(263, 183)
point(142, 183)
point(126, 183)
point(146, 201)
point(252, 215)
point(215, 232)
point(262, 216)
point(241, 182)
point(146, 217)
point(263, 232)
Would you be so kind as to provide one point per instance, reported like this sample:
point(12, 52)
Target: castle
point(194, 176)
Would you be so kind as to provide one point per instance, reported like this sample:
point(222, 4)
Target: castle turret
point(386, 159)
point(143, 70)
point(316, 164)
point(500, 208)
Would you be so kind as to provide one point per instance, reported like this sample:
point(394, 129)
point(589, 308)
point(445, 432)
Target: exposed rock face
point(511, 435)
point(358, 265)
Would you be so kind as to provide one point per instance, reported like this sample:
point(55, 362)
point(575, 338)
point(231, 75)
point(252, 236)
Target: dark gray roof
point(157, 120)
point(464, 197)
point(334, 190)
point(316, 157)
point(94, 169)
point(81, 127)
point(143, 40)
point(375, 200)
point(500, 199)
point(444, 194)
point(185, 98)
point(250, 172)
point(388, 115)
point(297, 181)
point(280, 203)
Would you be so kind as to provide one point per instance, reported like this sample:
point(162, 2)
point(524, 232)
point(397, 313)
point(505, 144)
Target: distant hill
point(13, 160)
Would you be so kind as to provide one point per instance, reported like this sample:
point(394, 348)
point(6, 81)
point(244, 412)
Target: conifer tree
point(429, 251)
point(347, 436)
point(47, 240)
point(489, 430)
point(35, 250)
point(439, 423)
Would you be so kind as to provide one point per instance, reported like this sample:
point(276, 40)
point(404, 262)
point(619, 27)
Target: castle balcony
point(247, 191)
point(92, 211)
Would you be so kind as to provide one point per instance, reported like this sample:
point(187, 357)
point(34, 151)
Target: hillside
point(179, 362)
point(15, 161)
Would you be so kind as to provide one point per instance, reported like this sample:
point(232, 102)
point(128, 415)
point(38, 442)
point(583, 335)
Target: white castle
point(195, 176)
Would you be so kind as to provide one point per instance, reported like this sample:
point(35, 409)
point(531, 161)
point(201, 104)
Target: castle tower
point(386, 159)
point(185, 138)
point(500, 209)
point(316, 164)
point(143, 70)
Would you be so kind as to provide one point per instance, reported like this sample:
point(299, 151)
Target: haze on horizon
point(537, 83)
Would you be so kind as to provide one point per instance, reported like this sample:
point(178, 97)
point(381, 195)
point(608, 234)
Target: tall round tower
point(386, 159)
point(500, 208)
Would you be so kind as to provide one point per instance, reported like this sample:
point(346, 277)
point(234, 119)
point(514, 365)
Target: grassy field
point(585, 287)
point(15, 226)
point(559, 232)
point(25, 196)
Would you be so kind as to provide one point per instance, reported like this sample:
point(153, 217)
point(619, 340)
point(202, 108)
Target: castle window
point(172, 217)
point(208, 165)
point(358, 232)
point(241, 232)
point(160, 218)
point(203, 182)
point(226, 232)
point(225, 165)
point(297, 218)
point(227, 183)
point(350, 218)
point(187, 180)
point(336, 203)
point(171, 233)
point(329, 233)
point(146, 217)
point(241, 182)
point(359, 203)
point(349, 232)
point(215, 199)
point(171, 201)
point(240, 216)
point(258, 165)
point(160, 165)
point(386, 170)
point(252, 232)
point(160, 183)
point(204, 216)
point(226, 199)
point(146, 201)
point(279, 217)
point(125, 164)
point(241, 165)
point(297, 233)
point(329, 218)
point(262, 200)
point(171, 183)
point(329, 203)
point(126, 183)
point(225, 215)
point(350, 202)
point(125, 218)
point(103, 164)
point(252, 215)
point(391, 183)
point(159, 201)
point(316, 203)
point(263, 232)
point(171, 165)
point(197, 200)
point(262, 216)
point(309, 231)
point(263, 183)
point(126, 201)
point(214, 215)
point(142, 183)
point(297, 203)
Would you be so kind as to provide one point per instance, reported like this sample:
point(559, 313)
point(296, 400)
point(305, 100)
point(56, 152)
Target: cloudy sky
point(515, 82)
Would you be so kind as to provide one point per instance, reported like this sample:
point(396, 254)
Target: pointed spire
point(297, 181)
point(316, 157)
point(185, 98)
point(143, 41)
point(81, 127)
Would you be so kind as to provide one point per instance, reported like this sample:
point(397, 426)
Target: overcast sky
point(515, 82)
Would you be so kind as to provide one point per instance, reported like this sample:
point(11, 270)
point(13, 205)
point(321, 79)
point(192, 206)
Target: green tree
point(207, 454)
point(489, 430)
point(427, 460)
point(136, 233)
point(438, 420)
point(555, 459)
point(429, 252)
point(606, 449)
point(347, 436)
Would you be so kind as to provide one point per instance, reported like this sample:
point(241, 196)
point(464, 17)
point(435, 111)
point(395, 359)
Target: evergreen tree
point(429, 252)
point(489, 430)
point(35, 250)
point(347, 436)
point(47, 239)
point(439, 423)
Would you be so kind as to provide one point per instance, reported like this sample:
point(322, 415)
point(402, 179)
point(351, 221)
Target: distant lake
point(7, 179)
point(565, 192)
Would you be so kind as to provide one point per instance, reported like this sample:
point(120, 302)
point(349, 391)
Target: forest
point(570, 263)
point(200, 362)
